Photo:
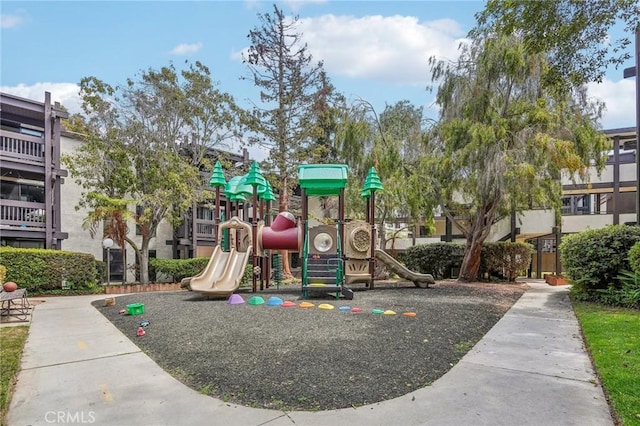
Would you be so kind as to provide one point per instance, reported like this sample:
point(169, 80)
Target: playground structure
point(334, 256)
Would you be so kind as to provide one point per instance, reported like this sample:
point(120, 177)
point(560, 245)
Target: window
point(205, 213)
point(19, 191)
point(116, 263)
point(576, 204)
point(22, 243)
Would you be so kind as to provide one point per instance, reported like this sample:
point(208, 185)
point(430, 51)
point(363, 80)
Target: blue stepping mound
point(345, 308)
point(274, 301)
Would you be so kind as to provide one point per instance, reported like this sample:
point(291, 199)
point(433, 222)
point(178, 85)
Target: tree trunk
point(123, 257)
point(144, 263)
point(476, 236)
point(471, 261)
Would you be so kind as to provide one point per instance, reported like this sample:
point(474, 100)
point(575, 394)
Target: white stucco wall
point(80, 239)
point(579, 223)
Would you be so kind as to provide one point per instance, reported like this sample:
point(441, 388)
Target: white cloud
point(65, 93)
point(393, 49)
point(186, 49)
point(619, 98)
point(296, 5)
point(10, 21)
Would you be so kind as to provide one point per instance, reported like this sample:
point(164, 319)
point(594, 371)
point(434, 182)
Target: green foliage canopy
point(573, 34)
point(503, 140)
point(146, 143)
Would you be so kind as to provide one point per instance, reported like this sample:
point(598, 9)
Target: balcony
point(22, 215)
point(21, 148)
point(204, 230)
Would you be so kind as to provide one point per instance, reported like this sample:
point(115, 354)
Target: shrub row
point(178, 269)
point(500, 259)
point(603, 264)
point(634, 257)
point(437, 259)
point(504, 259)
point(40, 270)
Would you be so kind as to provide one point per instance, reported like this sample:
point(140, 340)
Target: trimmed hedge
point(178, 269)
point(594, 258)
point(39, 270)
point(436, 259)
point(502, 259)
point(634, 258)
point(505, 259)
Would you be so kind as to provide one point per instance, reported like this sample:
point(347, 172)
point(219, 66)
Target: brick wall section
point(140, 288)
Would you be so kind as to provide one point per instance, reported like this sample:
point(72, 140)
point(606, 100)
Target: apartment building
point(39, 197)
point(31, 174)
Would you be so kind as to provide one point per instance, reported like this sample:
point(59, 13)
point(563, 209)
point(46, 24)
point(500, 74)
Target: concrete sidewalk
point(530, 369)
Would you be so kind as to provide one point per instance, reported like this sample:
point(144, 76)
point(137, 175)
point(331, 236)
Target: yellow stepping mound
point(389, 312)
point(326, 306)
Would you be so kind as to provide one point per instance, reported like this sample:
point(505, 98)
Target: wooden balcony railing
point(22, 214)
point(24, 148)
point(204, 230)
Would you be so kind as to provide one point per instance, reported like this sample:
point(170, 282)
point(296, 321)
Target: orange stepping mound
point(306, 305)
point(409, 314)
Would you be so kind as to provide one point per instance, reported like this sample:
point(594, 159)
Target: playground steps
point(321, 273)
point(321, 269)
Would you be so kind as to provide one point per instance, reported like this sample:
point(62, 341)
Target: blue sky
point(375, 50)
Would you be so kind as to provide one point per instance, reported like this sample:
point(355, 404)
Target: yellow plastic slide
point(225, 269)
point(223, 273)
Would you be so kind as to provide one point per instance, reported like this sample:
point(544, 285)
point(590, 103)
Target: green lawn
point(11, 344)
point(613, 338)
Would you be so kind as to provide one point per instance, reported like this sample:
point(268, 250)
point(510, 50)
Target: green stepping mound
point(256, 300)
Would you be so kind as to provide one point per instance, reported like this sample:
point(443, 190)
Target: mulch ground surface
point(314, 359)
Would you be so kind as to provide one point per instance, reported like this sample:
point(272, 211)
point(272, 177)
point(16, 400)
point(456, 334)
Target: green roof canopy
point(323, 179)
point(237, 186)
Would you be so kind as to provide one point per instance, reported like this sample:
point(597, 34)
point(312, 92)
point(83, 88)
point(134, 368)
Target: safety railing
point(24, 148)
point(22, 214)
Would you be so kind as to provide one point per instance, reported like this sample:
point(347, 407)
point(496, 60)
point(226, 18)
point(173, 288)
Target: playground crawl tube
point(283, 234)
